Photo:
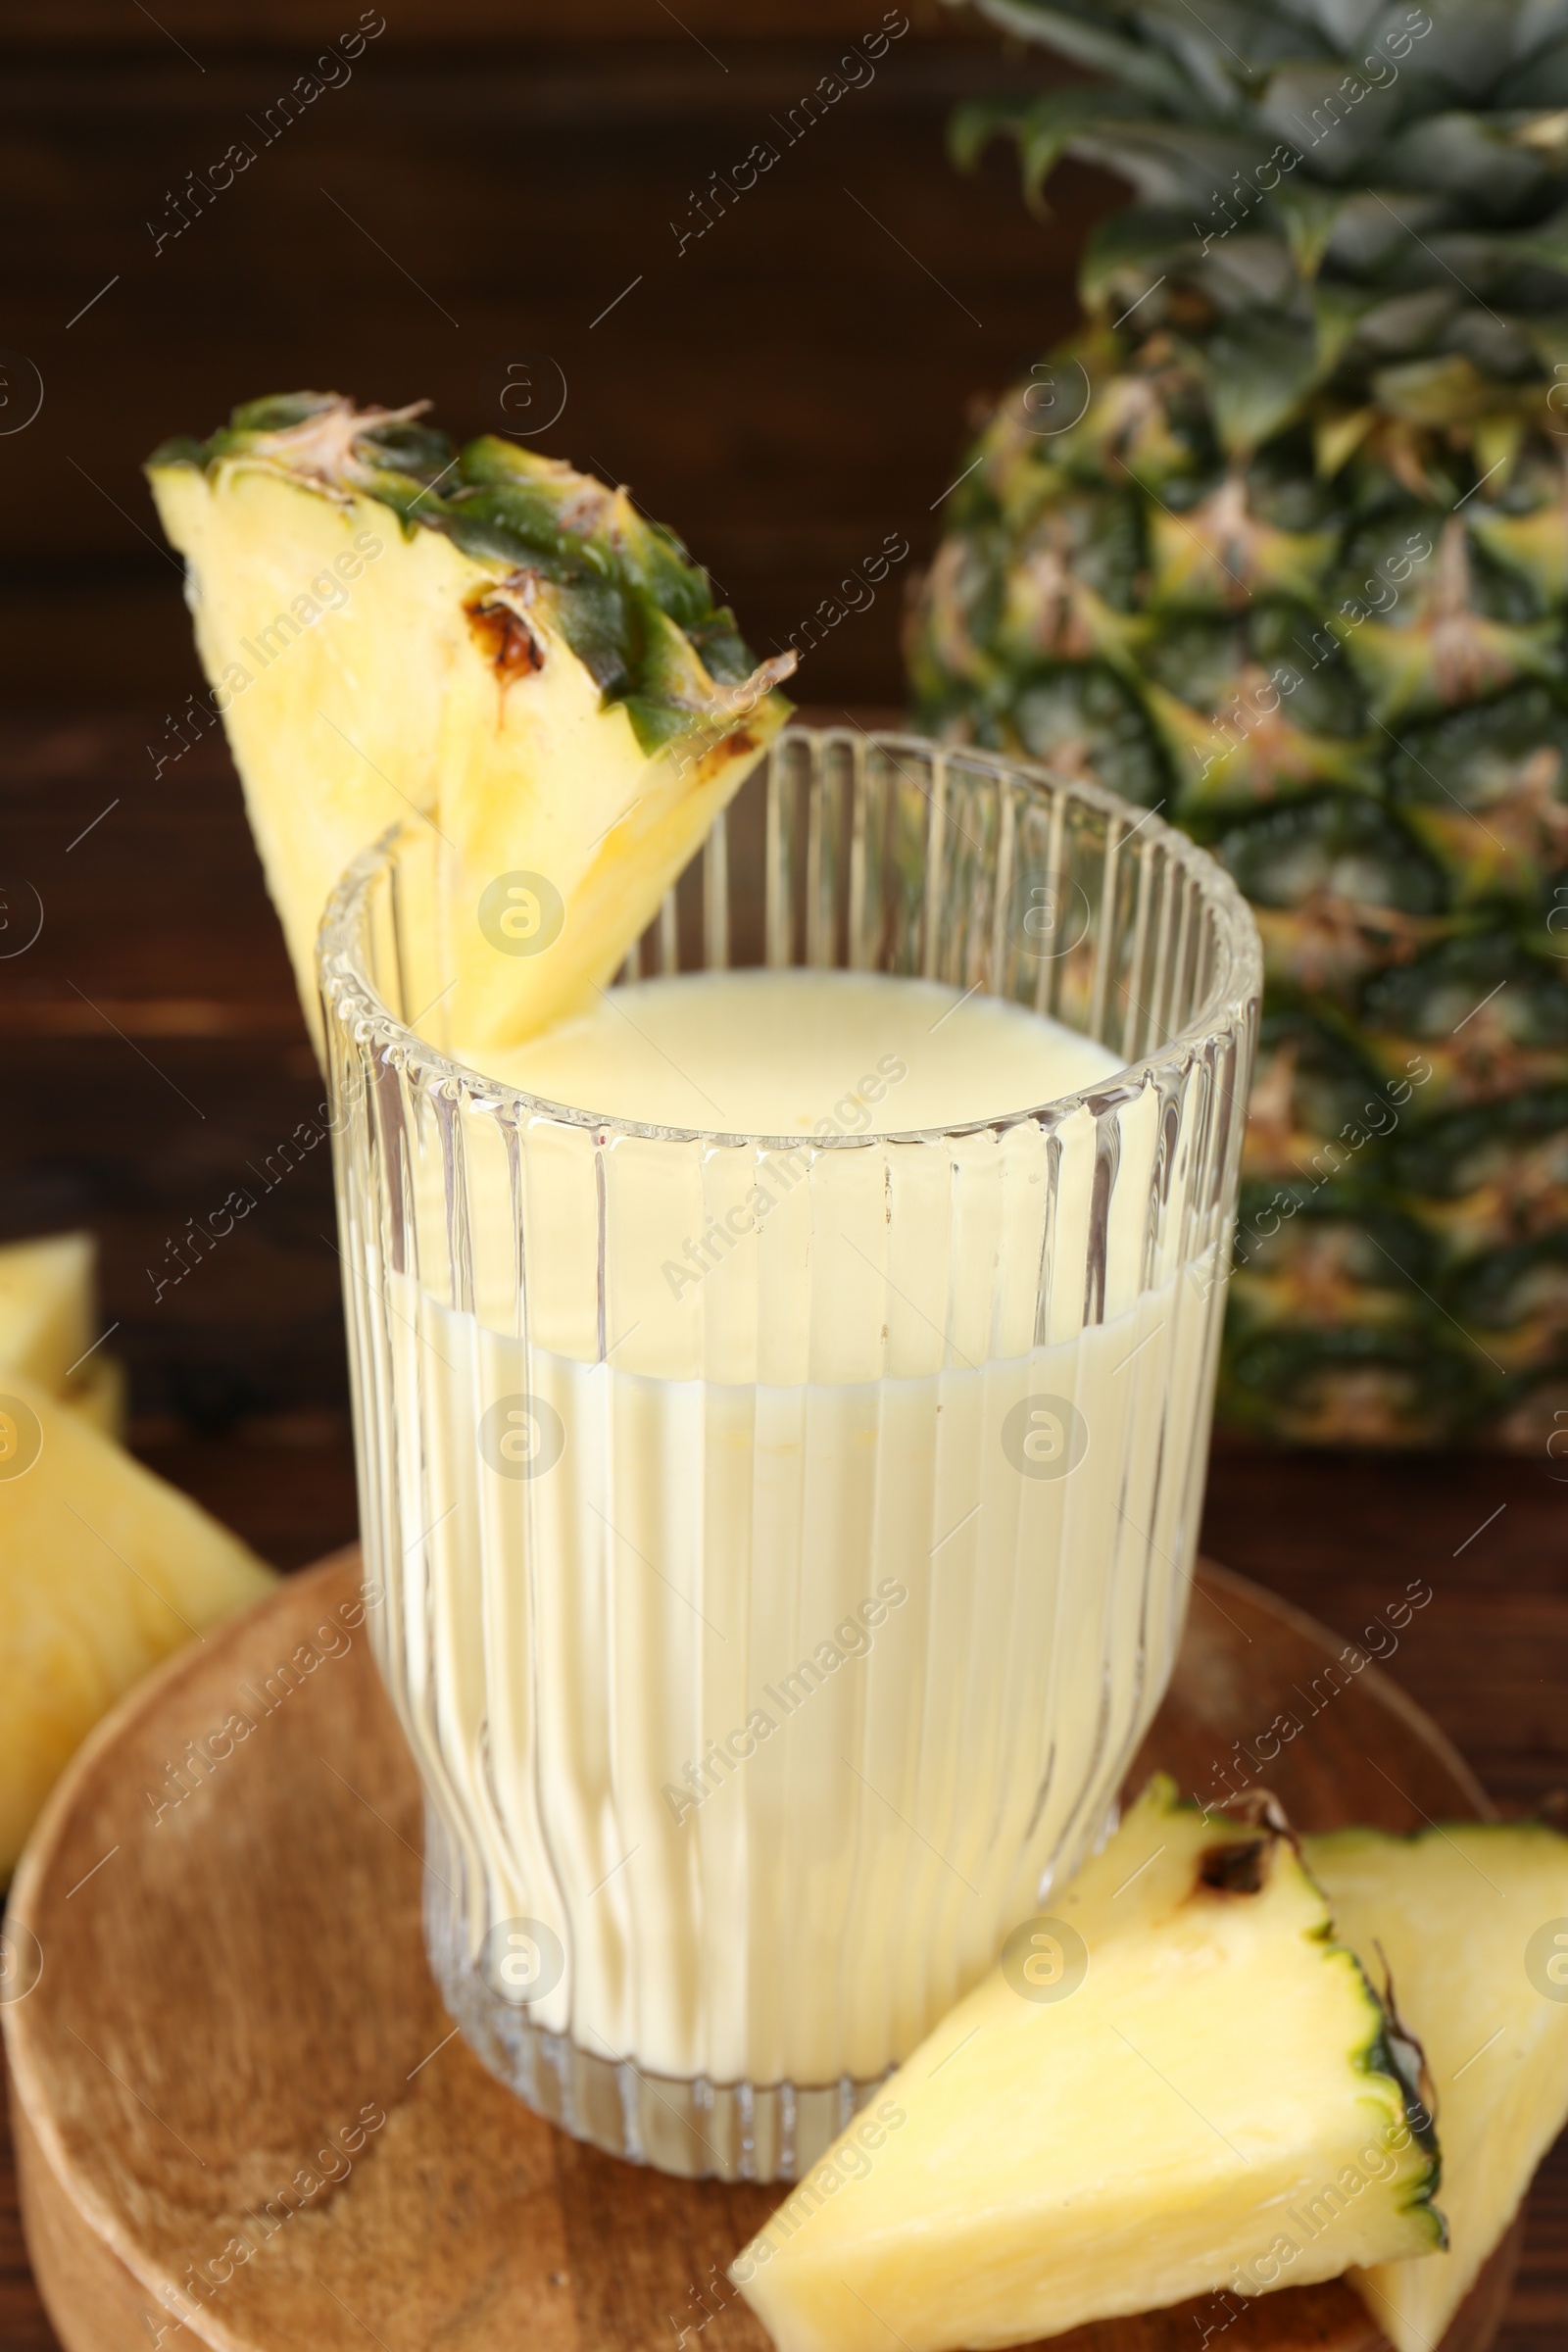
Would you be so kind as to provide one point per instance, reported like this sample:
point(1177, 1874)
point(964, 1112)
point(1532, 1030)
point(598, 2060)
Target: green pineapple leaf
point(1133, 246)
point(1084, 36)
point(1260, 373)
point(1311, 214)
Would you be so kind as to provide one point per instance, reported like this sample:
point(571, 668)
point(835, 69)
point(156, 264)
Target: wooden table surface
point(154, 1052)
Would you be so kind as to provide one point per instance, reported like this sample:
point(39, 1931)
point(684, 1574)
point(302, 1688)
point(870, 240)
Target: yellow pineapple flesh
point(47, 1306)
point(1472, 1923)
point(104, 1570)
point(49, 1326)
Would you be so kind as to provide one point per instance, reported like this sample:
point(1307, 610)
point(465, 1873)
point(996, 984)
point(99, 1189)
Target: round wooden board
point(236, 1984)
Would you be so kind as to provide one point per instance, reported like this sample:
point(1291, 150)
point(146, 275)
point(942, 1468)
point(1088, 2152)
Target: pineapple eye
point(1236, 1869)
point(511, 646)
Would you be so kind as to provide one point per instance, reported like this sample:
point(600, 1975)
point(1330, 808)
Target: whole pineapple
point(1278, 544)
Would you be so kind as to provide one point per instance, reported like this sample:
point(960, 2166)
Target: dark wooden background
point(785, 392)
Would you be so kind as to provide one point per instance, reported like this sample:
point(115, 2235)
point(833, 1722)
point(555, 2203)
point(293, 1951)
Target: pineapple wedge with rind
point(1192, 2070)
point(484, 639)
point(104, 1570)
point(1472, 1923)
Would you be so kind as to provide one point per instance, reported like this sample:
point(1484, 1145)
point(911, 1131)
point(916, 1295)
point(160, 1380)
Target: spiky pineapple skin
point(1350, 681)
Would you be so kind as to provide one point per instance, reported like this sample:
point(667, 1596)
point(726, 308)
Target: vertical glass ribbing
point(764, 1654)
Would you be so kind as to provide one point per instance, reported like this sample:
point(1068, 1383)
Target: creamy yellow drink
point(793, 1591)
point(803, 1052)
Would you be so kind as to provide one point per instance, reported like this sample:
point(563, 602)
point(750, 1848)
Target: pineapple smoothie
point(763, 1649)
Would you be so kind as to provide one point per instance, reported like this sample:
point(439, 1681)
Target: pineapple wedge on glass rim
point(484, 639)
point(1179, 2083)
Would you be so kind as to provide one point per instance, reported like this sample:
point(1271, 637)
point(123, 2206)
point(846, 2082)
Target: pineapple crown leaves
point(622, 590)
point(1339, 204)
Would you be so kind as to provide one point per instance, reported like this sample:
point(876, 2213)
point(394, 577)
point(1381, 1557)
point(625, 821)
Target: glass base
point(699, 2130)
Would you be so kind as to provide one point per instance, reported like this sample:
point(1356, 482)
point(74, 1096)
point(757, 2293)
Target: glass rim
point(347, 988)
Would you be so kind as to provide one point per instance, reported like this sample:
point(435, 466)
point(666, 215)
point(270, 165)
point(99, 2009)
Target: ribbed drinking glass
point(785, 1543)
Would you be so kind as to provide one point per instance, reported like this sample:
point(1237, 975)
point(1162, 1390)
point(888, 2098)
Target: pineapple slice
point(48, 1306)
point(104, 1570)
point(1160, 2092)
point(485, 639)
point(1471, 1922)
